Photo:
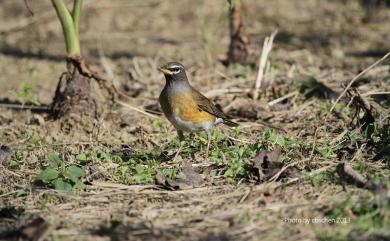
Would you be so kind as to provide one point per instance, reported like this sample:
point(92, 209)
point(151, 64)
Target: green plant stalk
point(232, 3)
point(71, 37)
point(76, 15)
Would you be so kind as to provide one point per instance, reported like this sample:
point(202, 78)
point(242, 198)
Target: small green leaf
point(240, 171)
point(241, 152)
point(55, 161)
point(70, 176)
point(27, 86)
point(47, 175)
point(139, 168)
point(75, 171)
point(61, 185)
point(370, 130)
point(81, 157)
point(13, 164)
point(20, 193)
point(339, 106)
point(229, 172)
point(156, 123)
point(35, 102)
point(78, 185)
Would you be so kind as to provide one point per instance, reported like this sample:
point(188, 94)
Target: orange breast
point(186, 108)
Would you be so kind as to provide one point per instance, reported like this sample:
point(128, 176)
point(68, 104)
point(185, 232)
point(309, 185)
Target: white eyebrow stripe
point(175, 66)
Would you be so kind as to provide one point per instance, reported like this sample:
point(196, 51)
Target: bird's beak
point(164, 70)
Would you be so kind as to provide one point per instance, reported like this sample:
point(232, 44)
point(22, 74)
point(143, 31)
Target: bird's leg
point(181, 136)
point(182, 140)
point(208, 143)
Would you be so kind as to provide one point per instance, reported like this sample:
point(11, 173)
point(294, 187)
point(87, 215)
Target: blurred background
point(136, 36)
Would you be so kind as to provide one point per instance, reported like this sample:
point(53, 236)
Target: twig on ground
point(246, 194)
point(121, 186)
point(339, 137)
point(274, 102)
point(262, 123)
point(345, 170)
point(315, 172)
point(137, 109)
point(4, 169)
point(277, 175)
point(24, 107)
point(28, 7)
point(242, 141)
point(8, 193)
point(297, 111)
point(376, 93)
point(354, 79)
point(267, 47)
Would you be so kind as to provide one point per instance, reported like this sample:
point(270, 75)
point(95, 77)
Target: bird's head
point(173, 71)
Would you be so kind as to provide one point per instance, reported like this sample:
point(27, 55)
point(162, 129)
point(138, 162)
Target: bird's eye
point(175, 70)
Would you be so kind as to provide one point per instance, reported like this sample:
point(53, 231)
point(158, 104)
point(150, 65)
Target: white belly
point(190, 127)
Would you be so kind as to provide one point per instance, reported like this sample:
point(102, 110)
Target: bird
point(186, 108)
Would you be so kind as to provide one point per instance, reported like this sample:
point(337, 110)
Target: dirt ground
point(329, 42)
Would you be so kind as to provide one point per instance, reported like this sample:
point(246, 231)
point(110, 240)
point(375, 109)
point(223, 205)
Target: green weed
point(353, 216)
point(156, 123)
point(243, 70)
point(323, 178)
point(135, 168)
point(379, 133)
point(25, 94)
point(16, 159)
point(339, 107)
point(61, 177)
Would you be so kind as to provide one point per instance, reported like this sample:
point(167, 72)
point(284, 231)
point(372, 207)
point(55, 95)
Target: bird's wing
point(206, 105)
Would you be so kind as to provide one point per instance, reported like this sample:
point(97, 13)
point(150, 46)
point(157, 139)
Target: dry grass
point(319, 48)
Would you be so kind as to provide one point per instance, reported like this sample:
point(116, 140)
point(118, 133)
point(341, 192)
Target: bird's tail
point(230, 123)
